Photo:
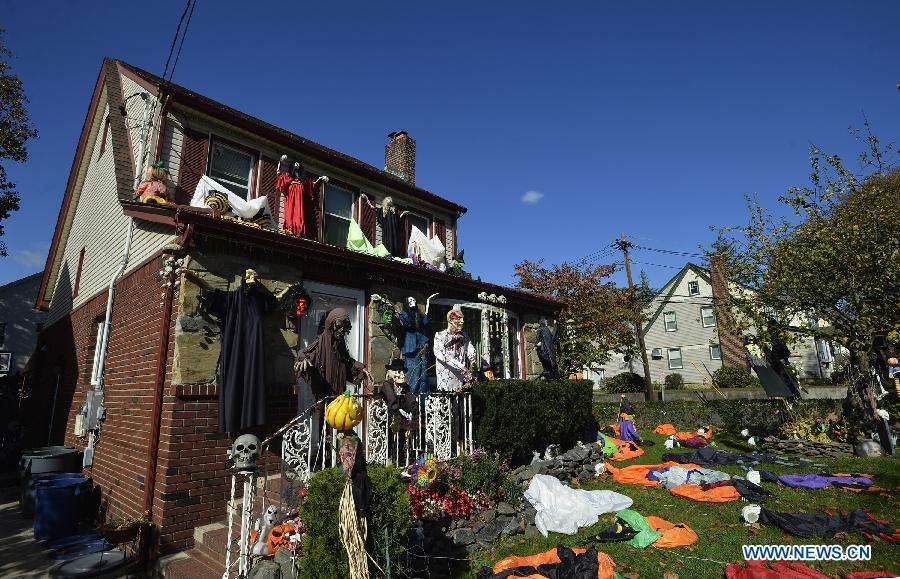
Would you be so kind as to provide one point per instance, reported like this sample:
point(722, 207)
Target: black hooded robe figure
point(242, 372)
point(546, 349)
point(778, 358)
point(392, 238)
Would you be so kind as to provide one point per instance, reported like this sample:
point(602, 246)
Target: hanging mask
point(301, 304)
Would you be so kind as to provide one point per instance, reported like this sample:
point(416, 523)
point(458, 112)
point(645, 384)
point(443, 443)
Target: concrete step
point(183, 566)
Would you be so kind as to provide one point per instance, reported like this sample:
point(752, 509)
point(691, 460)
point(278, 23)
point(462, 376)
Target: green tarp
point(646, 536)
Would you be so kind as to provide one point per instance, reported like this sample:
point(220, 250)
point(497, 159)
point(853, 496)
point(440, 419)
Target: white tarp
point(428, 250)
point(564, 510)
point(240, 206)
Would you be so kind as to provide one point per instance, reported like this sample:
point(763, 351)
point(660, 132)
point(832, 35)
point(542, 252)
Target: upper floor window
point(338, 211)
point(670, 321)
point(421, 223)
point(715, 352)
point(232, 167)
point(77, 286)
point(693, 288)
point(708, 316)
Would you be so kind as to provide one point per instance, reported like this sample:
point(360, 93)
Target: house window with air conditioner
point(674, 358)
point(670, 322)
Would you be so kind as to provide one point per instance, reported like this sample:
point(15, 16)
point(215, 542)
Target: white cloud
point(31, 258)
point(531, 197)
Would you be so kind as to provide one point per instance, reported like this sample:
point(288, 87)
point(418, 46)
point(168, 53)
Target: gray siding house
point(20, 323)
point(682, 335)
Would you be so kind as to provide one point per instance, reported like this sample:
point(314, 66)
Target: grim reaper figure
point(547, 344)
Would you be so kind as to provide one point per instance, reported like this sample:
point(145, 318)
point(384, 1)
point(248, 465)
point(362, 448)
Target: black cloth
point(710, 457)
point(768, 476)
point(570, 566)
point(546, 350)
point(751, 491)
point(808, 524)
point(391, 232)
point(618, 532)
point(772, 383)
point(359, 479)
point(626, 407)
point(242, 373)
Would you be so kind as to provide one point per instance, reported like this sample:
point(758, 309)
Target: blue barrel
point(26, 501)
point(58, 506)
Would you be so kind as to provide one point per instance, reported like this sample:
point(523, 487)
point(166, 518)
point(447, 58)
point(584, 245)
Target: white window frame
point(326, 214)
point(356, 344)
point(427, 231)
point(254, 160)
point(703, 318)
point(674, 321)
point(691, 286)
point(669, 359)
point(719, 348)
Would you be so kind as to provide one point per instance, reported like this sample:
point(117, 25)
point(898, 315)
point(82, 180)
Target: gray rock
point(491, 531)
point(266, 569)
point(488, 515)
point(512, 527)
point(579, 453)
point(477, 527)
point(506, 509)
point(531, 531)
point(472, 547)
point(584, 475)
point(463, 536)
point(283, 559)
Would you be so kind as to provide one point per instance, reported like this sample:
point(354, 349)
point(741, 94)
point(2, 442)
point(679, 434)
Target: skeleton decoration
point(244, 452)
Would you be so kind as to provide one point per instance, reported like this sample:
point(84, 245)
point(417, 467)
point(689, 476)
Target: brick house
point(159, 448)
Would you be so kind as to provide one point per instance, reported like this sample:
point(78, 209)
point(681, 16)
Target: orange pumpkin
point(278, 537)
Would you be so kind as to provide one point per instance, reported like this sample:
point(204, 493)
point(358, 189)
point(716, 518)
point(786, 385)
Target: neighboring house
point(682, 335)
point(158, 388)
point(20, 322)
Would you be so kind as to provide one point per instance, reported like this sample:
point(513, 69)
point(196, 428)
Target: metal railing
point(439, 423)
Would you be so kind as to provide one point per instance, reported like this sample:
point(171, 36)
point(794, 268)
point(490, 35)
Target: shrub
point(625, 382)
point(674, 381)
point(515, 417)
point(486, 474)
point(726, 377)
point(323, 555)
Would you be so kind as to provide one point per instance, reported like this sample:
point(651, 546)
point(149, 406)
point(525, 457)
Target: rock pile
point(807, 447)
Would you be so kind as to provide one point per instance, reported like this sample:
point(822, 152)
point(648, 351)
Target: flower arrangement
point(460, 487)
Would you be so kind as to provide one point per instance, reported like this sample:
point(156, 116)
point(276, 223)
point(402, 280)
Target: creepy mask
point(300, 306)
point(411, 302)
point(341, 328)
point(454, 321)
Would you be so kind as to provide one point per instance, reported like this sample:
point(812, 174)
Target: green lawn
point(719, 526)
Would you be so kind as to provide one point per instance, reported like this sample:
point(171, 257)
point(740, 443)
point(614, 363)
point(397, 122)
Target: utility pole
point(638, 324)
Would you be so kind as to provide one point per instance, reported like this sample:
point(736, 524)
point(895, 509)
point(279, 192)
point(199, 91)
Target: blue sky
point(559, 127)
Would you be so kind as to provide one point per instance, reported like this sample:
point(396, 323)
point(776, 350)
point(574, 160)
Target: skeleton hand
point(323, 179)
point(301, 366)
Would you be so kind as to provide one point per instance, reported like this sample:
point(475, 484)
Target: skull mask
point(244, 452)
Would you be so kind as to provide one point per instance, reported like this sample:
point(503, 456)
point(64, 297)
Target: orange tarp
point(721, 494)
point(550, 557)
point(682, 436)
point(672, 535)
point(627, 451)
point(637, 474)
point(665, 429)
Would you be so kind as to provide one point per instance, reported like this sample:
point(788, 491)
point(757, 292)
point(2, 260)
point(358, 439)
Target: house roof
point(325, 154)
point(669, 289)
point(20, 281)
point(203, 221)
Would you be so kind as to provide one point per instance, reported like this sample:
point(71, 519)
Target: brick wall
point(732, 347)
point(400, 156)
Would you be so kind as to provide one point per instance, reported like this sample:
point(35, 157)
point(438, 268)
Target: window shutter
point(451, 247)
point(194, 150)
point(367, 219)
point(440, 231)
point(267, 183)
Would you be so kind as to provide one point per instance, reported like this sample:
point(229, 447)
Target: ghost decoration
point(261, 547)
point(745, 432)
point(670, 442)
point(244, 452)
point(751, 441)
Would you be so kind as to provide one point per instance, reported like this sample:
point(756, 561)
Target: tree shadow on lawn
point(719, 524)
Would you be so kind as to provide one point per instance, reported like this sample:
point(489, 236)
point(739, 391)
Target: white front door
point(324, 299)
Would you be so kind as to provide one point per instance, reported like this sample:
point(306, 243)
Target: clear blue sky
point(650, 118)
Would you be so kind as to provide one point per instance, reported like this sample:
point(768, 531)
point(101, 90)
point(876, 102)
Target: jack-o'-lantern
point(344, 412)
point(892, 361)
point(279, 536)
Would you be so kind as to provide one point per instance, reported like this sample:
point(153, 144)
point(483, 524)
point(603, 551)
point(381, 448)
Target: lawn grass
point(719, 526)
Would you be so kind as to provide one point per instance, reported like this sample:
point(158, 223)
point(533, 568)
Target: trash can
point(26, 500)
point(59, 504)
point(49, 459)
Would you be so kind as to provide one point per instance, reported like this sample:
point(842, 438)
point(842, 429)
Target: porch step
point(183, 566)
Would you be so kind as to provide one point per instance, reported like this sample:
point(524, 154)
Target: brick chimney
point(732, 346)
point(400, 156)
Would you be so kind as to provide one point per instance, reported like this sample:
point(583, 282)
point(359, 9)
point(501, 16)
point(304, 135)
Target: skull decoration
point(244, 452)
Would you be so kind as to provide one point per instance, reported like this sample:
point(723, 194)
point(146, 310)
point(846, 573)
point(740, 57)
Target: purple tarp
point(817, 481)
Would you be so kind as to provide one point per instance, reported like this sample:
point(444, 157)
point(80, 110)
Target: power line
point(658, 264)
point(669, 251)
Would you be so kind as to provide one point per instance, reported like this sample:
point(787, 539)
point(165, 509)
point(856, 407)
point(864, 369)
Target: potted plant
point(123, 529)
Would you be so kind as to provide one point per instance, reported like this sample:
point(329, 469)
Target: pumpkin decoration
point(344, 412)
point(280, 536)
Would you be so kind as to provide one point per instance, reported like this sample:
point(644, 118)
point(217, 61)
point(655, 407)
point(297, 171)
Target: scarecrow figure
point(154, 190)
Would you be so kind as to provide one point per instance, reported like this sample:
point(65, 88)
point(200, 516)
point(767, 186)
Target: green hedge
point(761, 417)
point(516, 417)
point(727, 377)
point(323, 555)
point(625, 382)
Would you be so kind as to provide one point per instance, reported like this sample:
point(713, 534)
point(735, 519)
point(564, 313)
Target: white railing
point(441, 424)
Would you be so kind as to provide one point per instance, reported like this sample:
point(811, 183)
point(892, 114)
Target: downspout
point(98, 378)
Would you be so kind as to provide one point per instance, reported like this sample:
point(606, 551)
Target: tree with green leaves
point(834, 258)
point(15, 131)
point(596, 316)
